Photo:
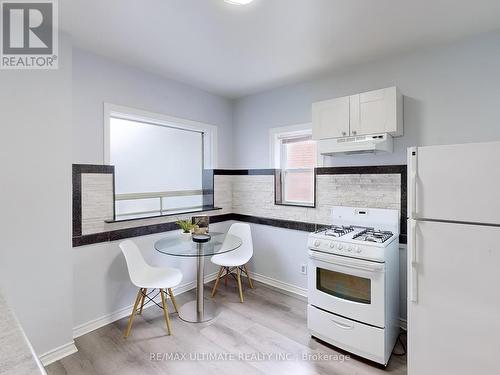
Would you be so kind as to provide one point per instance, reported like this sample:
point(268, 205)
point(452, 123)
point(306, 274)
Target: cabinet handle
point(354, 132)
point(344, 134)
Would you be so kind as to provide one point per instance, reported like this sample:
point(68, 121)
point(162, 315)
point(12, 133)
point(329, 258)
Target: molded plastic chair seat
point(230, 260)
point(147, 277)
point(159, 277)
point(236, 259)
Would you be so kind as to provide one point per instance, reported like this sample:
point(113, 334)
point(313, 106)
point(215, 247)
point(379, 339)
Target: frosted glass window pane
point(152, 158)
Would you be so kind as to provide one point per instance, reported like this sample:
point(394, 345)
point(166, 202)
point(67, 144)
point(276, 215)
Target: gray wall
point(101, 279)
point(452, 95)
point(97, 80)
point(35, 200)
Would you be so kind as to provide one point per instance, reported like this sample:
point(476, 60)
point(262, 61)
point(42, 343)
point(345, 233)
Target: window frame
point(127, 113)
point(277, 159)
point(208, 132)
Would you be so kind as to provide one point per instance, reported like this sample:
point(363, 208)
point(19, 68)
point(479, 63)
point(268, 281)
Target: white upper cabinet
point(331, 118)
point(373, 112)
point(378, 111)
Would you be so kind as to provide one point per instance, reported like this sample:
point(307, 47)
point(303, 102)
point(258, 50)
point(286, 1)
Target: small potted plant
point(186, 228)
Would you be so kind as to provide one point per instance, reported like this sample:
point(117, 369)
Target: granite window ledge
point(176, 213)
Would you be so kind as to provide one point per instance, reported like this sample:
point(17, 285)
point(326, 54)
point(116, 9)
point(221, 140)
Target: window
point(294, 155)
point(159, 162)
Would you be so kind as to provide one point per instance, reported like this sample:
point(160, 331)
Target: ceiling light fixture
point(238, 2)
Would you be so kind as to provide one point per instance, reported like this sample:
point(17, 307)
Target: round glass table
point(199, 247)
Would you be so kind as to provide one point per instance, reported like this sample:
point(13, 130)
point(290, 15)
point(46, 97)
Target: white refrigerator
point(454, 259)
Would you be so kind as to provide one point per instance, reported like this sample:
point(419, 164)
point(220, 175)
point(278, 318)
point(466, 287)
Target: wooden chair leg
point(134, 310)
point(214, 290)
point(248, 276)
point(225, 278)
point(165, 311)
point(172, 297)
point(238, 273)
point(145, 291)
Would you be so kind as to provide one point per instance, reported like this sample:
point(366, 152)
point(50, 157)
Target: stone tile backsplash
point(97, 204)
point(254, 195)
point(251, 195)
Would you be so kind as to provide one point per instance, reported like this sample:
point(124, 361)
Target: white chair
point(147, 277)
point(236, 259)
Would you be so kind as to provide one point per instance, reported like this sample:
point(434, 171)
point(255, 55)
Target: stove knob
point(317, 243)
point(350, 249)
point(358, 250)
point(340, 247)
point(332, 245)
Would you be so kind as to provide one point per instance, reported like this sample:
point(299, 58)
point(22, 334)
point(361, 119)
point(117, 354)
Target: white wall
point(101, 281)
point(35, 200)
point(451, 96)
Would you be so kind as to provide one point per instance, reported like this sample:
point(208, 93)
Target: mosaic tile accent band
point(244, 195)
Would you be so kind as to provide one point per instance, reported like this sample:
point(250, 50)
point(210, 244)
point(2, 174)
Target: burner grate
point(339, 231)
point(372, 235)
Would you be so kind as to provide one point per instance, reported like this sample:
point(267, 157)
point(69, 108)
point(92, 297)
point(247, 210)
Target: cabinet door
point(375, 112)
point(331, 118)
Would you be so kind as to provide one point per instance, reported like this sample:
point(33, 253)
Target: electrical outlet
point(303, 269)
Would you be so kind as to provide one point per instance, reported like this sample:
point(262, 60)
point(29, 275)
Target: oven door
point(352, 288)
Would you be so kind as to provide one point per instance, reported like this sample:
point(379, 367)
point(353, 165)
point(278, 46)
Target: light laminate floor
point(268, 323)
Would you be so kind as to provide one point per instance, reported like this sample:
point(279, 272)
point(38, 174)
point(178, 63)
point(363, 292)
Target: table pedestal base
point(188, 312)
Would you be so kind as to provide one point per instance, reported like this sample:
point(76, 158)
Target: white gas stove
point(353, 282)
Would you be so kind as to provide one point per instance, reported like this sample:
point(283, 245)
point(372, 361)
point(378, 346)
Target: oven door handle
point(347, 262)
point(342, 325)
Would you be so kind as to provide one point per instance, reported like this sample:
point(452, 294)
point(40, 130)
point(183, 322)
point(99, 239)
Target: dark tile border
point(279, 223)
point(369, 169)
point(78, 169)
point(166, 227)
point(244, 172)
point(373, 169)
point(81, 240)
point(121, 234)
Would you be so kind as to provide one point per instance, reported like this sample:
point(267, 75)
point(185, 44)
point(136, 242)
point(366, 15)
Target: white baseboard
point(58, 353)
point(102, 321)
point(286, 287)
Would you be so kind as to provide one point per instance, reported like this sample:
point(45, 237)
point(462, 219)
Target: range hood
point(356, 144)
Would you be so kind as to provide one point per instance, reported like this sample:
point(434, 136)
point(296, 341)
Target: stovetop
point(352, 241)
point(361, 234)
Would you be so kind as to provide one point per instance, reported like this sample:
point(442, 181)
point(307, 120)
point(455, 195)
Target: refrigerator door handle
point(413, 276)
point(412, 182)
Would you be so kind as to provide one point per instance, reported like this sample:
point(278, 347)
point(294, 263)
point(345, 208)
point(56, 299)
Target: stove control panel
point(343, 248)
